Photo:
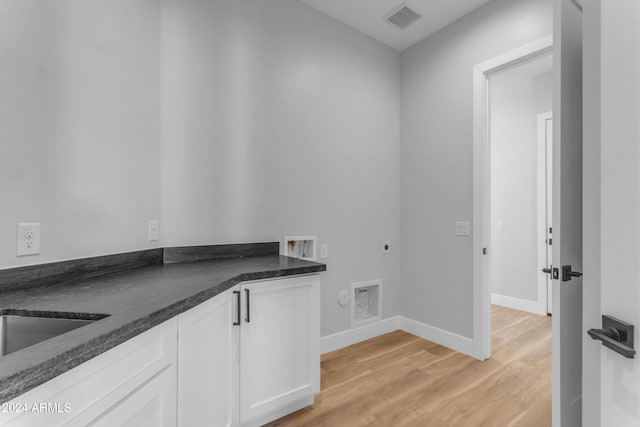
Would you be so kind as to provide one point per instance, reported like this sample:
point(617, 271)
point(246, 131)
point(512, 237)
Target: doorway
point(482, 188)
point(520, 98)
point(513, 190)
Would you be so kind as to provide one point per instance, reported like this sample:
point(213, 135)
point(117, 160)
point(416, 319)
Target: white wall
point(436, 155)
point(518, 94)
point(79, 125)
point(275, 120)
point(278, 120)
point(271, 118)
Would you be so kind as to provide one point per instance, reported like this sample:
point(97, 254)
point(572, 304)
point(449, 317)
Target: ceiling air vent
point(403, 17)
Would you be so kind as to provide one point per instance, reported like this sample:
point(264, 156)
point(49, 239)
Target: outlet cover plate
point(28, 239)
point(154, 230)
point(463, 228)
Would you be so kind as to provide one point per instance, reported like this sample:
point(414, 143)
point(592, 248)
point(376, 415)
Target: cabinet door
point(207, 363)
point(279, 344)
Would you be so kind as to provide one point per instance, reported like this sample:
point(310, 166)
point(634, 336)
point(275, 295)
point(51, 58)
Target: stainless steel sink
point(18, 331)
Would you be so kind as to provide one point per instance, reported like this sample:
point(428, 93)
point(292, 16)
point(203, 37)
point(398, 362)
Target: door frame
point(482, 187)
point(544, 164)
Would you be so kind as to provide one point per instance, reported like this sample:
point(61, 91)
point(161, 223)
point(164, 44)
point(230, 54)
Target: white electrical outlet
point(324, 251)
point(463, 228)
point(28, 239)
point(386, 247)
point(154, 229)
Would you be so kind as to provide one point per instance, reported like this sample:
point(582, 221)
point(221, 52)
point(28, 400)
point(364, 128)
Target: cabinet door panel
point(207, 364)
point(279, 346)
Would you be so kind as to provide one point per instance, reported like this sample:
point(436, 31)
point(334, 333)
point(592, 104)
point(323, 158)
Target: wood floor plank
point(401, 380)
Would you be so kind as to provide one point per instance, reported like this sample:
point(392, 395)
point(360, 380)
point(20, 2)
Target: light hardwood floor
point(399, 380)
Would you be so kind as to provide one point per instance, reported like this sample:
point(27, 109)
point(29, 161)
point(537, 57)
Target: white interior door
point(567, 328)
point(620, 206)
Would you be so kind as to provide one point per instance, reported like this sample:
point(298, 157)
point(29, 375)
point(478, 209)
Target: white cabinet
point(133, 384)
point(208, 364)
point(247, 356)
point(257, 371)
point(279, 347)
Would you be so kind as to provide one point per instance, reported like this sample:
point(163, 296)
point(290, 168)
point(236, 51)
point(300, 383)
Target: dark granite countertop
point(135, 300)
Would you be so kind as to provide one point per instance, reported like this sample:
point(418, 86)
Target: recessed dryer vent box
point(303, 247)
point(366, 302)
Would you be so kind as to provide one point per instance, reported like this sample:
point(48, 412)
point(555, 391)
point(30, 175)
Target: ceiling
point(369, 16)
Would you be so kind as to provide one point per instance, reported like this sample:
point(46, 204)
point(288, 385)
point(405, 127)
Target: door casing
point(482, 186)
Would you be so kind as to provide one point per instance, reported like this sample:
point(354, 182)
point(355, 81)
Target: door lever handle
point(612, 333)
point(616, 335)
point(567, 274)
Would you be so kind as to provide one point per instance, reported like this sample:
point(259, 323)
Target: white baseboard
point(363, 333)
point(519, 304)
point(439, 336)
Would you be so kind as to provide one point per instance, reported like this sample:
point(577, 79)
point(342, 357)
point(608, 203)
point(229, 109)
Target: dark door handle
point(547, 270)
point(247, 319)
point(237, 322)
point(597, 334)
point(567, 274)
point(616, 335)
point(611, 338)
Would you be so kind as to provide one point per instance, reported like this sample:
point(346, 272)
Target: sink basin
point(20, 329)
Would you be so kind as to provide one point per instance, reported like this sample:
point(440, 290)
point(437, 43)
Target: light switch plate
point(463, 228)
point(324, 251)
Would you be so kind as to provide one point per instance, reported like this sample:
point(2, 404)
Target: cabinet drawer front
point(152, 405)
point(91, 389)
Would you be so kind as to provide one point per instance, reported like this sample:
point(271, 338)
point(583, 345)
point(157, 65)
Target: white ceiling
point(369, 16)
